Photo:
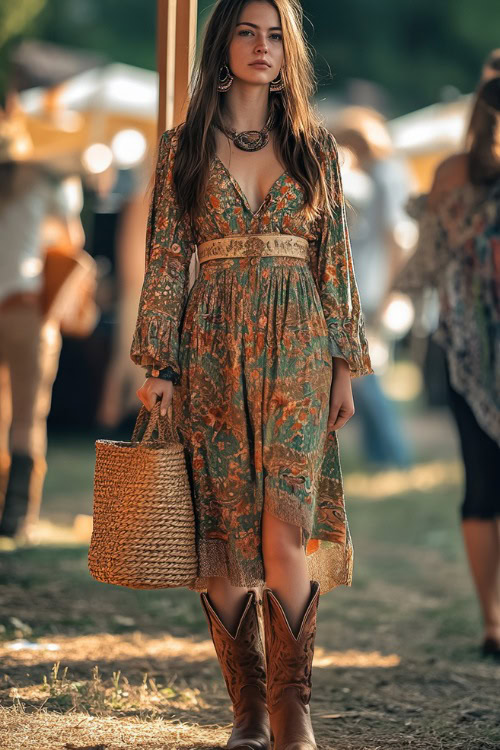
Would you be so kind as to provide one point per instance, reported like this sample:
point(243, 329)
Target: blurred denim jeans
point(383, 438)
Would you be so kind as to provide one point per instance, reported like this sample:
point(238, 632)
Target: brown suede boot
point(289, 667)
point(242, 662)
point(23, 495)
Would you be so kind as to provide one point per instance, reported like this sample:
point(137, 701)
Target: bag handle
point(154, 420)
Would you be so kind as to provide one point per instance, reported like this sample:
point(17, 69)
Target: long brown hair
point(483, 133)
point(297, 123)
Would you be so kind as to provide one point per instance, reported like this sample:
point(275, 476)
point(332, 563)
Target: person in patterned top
point(458, 253)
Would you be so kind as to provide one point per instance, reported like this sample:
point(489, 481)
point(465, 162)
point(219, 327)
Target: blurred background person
point(37, 207)
point(118, 398)
point(377, 185)
point(117, 408)
point(459, 254)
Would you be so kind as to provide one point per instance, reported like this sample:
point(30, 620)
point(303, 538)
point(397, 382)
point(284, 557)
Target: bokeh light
point(128, 147)
point(97, 158)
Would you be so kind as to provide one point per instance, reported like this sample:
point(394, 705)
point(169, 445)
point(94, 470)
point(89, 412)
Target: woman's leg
point(228, 601)
point(31, 351)
point(482, 542)
point(285, 566)
point(479, 510)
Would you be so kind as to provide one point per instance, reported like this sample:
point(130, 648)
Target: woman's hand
point(156, 389)
point(341, 401)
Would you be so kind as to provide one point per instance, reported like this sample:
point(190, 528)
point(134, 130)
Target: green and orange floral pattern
point(252, 341)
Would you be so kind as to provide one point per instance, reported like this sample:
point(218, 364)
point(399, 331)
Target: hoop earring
point(278, 84)
point(224, 83)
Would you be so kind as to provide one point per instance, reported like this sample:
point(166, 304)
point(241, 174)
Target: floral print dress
point(252, 343)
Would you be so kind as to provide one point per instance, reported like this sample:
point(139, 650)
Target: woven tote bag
point(143, 534)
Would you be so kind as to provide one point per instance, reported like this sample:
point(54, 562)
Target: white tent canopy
point(439, 127)
point(116, 88)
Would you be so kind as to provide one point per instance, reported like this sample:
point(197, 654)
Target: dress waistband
point(249, 245)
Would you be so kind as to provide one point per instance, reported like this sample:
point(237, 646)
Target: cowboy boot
point(289, 666)
point(242, 662)
point(23, 494)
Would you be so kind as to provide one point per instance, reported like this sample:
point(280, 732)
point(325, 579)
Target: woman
point(459, 253)
point(248, 355)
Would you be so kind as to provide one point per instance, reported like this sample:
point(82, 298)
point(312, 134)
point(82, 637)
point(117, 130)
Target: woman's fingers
point(163, 407)
point(155, 397)
point(332, 417)
point(152, 391)
point(342, 418)
point(339, 415)
point(161, 390)
point(341, 400)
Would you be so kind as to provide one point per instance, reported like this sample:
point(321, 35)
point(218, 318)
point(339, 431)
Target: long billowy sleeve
point(169, 247)
point(334, 272)
point(424, 267)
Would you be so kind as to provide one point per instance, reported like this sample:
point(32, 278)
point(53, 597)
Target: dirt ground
point(89, 666)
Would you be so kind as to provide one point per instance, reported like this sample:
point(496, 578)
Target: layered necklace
point(250, 140)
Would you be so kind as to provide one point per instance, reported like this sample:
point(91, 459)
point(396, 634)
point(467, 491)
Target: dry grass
point(396, 663)
point(44, 730)
point(128, 691)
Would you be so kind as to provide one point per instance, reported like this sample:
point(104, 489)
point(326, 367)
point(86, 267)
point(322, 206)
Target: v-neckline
point(242, 194)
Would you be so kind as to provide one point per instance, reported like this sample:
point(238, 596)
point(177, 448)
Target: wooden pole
point(185, 49)
point(175, 45)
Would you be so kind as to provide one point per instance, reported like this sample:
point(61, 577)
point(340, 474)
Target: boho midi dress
point(252, 341)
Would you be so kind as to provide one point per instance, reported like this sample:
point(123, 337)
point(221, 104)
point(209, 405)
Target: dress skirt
point(251, 410)
point(250, 346)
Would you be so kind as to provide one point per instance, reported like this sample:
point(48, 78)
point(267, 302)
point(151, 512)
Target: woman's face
point(257, 38)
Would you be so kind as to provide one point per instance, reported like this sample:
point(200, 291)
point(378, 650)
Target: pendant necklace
point(250, 140)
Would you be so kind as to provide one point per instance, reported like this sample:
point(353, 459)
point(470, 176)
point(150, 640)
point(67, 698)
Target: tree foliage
point(16, 16)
